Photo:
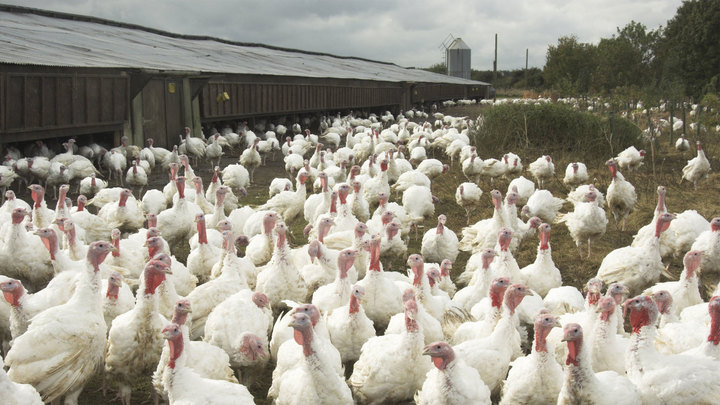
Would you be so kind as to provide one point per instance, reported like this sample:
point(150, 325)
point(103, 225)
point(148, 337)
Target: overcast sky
point(405, 32)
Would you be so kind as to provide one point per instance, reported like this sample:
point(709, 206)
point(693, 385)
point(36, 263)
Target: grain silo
point(458, 59)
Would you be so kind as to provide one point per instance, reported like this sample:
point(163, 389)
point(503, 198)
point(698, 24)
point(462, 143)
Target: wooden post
point(697, 121)
point(672, 119)
point(684, 119)
point(652, 140)
point(526, 67)
point(495, 63)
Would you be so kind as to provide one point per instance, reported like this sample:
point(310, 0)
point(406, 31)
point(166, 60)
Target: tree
point(569, 65)
point(626, 58)
point(690, 49)
point(437, 68)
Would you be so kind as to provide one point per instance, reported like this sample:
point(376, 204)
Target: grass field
point(575, 272)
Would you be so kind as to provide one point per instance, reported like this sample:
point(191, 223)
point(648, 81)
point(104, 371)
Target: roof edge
point(98, 20)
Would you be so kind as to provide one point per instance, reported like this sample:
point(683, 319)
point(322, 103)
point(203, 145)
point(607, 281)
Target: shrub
point(551, 128)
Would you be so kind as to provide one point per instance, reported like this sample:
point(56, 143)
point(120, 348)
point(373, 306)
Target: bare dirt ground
point(575, 271)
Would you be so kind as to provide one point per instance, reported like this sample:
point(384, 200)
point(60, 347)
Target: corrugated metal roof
point(38, 37)
point(458, 43)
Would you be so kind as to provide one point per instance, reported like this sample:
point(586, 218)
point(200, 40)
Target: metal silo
point(458, 59)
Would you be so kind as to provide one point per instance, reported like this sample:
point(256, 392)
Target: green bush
point(551, 128)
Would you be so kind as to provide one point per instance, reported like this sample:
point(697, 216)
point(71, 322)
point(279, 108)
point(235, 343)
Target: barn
point(65, 75)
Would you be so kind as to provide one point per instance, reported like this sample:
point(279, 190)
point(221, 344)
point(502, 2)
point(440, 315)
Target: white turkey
point(575, 175)
point(684, 292)
point(468, 196)
point(185, 386)
point(391, 367)
point(349, 326)
point(665, 378)
point(682, 144)
point(542, 275)
point(630, 159)
point(313, 380)
point(440, 243)
point(544, 205)
point(536, 377)
point(582, 385)
point(586, 223)
point(64, 345)
point(134, 343)
point(451, 381)
point(636, 267)
point(621, 197)
point(543, 169)
point(697, 168)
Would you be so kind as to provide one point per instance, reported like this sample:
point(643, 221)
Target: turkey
point(289, 204)
point(349, 327)
point(535, 378)
point(684, 292)
point(391, 367)
point(542, 204)
point(491, 355)
point(176, 223)
point(543, 169)
point(335, 294)
point(682, 144)
point(582, 385)
point(23, 255)
point(709, 243)
point(204, 256)
point(240, 325)
point(280, 279)
point(134, 343)
point(621, 197)
point(697, 168)
point(250, 158)
point(382, 296)
point(636, 267)
point(468, 196)
point(630, 159)
point(665, 378)
point(487, 311)
point(194, 146)
point(451, 381)
point(185, 386)
point(483, 234)
point(542, 275)
point(575, 175)
point(681, 234)
point(313, 380)
point(586, 223)
point(64, 345)
point(608, 349)
point(523, 187)
point(440, 243)
point(206, 297)
point(125, 214)
point(17, 394)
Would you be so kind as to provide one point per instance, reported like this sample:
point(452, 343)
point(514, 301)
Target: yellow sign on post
point(171, 88)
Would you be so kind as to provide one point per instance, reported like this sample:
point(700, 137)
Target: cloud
point(405, 32)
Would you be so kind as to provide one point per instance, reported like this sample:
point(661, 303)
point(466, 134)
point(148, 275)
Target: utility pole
point(495, 62)
point(526, 67)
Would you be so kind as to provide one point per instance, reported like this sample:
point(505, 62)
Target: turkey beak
point(426, 350)
point(557, 323)
point(113, 248)
point(167, 270)
point(528, 292)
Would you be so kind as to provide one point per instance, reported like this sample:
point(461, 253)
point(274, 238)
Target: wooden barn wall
point(248, 98)
point(39, 105)
point(428, 92)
